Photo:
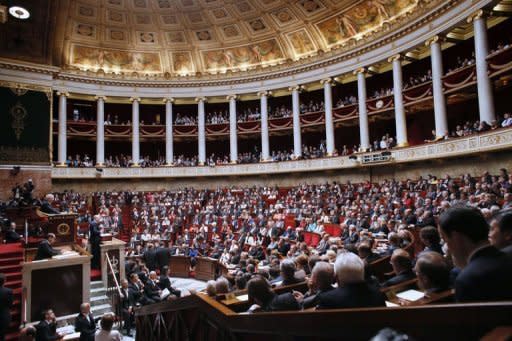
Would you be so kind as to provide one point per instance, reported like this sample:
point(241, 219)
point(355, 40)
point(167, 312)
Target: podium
point(179, 266)
point(61, 284)
point(115, 249)
point(206, 268)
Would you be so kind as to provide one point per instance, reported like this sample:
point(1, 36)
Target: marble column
point(265, 153)
point(135, 131)
point(62, 151)
point(233, 142)
point(441, 121)
point(364, 130)
point(400, 119)
point(329, 125)
point(297, 138)
point(100, 131)
point(201, 131)
point(485, 95)
point(169, 146)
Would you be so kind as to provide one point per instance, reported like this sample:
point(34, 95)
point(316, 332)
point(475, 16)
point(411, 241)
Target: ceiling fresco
point(194, 37)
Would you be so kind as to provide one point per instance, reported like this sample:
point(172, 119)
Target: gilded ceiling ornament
point(19, 91)
point(18, 113)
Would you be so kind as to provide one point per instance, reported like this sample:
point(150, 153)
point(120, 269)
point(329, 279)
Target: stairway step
point(6, 269)
point(4, 260)
point(96, 284)
point(13, 284)
point(13, 276)
point(98, 300)
point(12, 336)
point(97, 291)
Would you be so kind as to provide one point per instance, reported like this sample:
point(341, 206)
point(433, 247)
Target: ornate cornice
point(230, 97)
point(135, 99)
point(264, 93)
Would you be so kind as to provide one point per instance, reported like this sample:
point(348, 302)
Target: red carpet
point(95, 275)
point(11, 255)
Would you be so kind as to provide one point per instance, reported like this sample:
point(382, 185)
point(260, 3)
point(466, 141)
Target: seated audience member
point(46, 329)
point(106, 333)
point(485, 271)
point(394, 242)
point(136, 289)
point(402, 268)
point(165, 282)
point(46, 205)
point(500, 234)
point(260, 292)
point(210, 288)
point(151, 288)
point(365, 252)
point(321, 281)
point(429, 236)
point(221, 286)
point(45, 249)
point(352, 290)
point(11, 236)
point(288, 270)
point(85, 323)
point(127, 304)
point(433, 272)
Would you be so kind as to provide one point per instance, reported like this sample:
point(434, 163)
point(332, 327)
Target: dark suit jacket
point(94, 233)
point(135, 293)
point(45, 250)
point(12, 236)
point(311, 301)
point(165, 283)
point(284, 301)
point(6, 299)
point(46, 332)
point(47, 208)
point(354, 295)
point(151, 290)
point(127, 300)
point(163, 256)
point(150, 259)
point(86, 328)
point(404, 276)
point(487, 277)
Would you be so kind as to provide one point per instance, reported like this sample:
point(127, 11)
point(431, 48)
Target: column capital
point(398, 56)
point(230, 97)
point(327, 81)
point(298, 88)
point(200, 99)
point(477, 15)
point(264, 93)
point(98, 97)
point(362, 70)
point(168, 99)
point(434, 39)
point(63, 93)
point(133, 99)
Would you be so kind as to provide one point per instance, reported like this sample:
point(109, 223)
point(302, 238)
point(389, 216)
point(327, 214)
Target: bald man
point(402, 268)
point(85, 323)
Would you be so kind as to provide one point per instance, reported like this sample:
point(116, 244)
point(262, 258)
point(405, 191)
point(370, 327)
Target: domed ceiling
point(199, 37)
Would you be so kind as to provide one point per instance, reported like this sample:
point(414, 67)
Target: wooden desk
point(206, 268)
point(59, 284)
point(179, 266)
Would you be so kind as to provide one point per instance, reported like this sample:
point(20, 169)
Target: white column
point(329, 125)
point(100, 131)
point(485, 96)
point(169, 147)
point(62, 152)
point(265, 154)
point(233, 143)
point(364, 130)
point(400, 120)
point(135, 131)
point(436, 57)
point(297, 138)
point(201, 134)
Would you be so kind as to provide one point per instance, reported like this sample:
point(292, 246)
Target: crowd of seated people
point(417, 80)
point(348, 100)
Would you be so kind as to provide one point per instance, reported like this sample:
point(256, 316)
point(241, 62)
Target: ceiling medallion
point(19, 12)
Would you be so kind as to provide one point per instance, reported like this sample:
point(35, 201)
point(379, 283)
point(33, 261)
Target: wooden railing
point(199, 317)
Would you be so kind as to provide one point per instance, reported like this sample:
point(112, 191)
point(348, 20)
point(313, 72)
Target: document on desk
point(243, 298)
point(410, 295)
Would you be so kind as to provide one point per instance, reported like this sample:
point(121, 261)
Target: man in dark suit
point(45, 249)
point(6, 299)
point(151, 289)
point(85, 323)
point(402, 268)
point(485, 271)
point(352, 290)
point(136, 289)
point(165, 282)
point(150, 257)
point(46, 205)
point(11, 236)
point(46, 330)
point(260, 292)
point(321, 280)
point(95, 240)
point(127, 303)
point(500, 234)
point(163, 256)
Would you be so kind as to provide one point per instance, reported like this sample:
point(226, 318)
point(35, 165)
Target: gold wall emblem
point(63, 229)
point(18, 113)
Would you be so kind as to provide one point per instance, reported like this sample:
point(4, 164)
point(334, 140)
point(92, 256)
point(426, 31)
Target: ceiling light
point(19, 12)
